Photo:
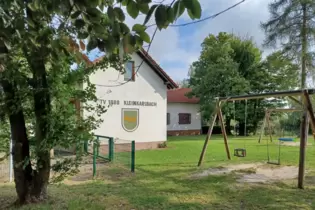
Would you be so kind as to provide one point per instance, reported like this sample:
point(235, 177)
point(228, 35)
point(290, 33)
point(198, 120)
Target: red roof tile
point(179, 96)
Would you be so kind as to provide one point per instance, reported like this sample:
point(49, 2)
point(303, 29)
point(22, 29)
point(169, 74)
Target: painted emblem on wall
point(130, 119)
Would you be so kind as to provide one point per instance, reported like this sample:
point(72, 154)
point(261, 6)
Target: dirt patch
point(254, 173)
point(263, 175)
point(226, 170)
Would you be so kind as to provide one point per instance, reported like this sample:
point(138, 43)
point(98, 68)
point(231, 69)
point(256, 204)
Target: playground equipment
point(282, 134)
point(304, 103)
point(267, 121)
point(240, 152)
point(109, 149)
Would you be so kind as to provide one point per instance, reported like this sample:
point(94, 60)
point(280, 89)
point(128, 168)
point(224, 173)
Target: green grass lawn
point(162, 181)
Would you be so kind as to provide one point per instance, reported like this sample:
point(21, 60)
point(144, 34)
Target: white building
point(183, 113)
point(136, 109)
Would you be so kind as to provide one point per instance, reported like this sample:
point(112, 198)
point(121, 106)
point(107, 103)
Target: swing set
point(282, 139)
point(306, 108)
point(240, 152)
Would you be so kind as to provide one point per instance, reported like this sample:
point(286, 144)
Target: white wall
point(148, 86)
point(175, 108)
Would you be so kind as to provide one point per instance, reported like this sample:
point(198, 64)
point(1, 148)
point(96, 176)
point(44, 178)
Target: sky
point(175, 48)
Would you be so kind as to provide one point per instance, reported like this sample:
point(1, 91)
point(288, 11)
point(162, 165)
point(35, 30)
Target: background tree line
point(230, 65)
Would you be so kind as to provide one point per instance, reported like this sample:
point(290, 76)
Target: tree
point(229, 65)
point(216, 74)
point(39, 41)
point(284, 71)
point(292, 25)
point(184, 83)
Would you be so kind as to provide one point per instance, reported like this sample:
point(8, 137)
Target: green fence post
point(133, 156)
point(111, 149)
point(98, 145)
point(94, 159)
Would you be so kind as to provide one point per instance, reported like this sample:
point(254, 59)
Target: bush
point(162, 145)
point(216, 129)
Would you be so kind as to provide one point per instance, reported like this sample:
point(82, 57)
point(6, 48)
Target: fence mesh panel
point(124, 153)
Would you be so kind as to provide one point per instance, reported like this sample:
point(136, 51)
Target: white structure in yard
point(183, 113)
point(136, 109)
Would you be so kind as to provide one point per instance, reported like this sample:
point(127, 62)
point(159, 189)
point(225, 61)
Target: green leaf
point(170, 15)
point(126, 45)
point(111, 13)
point(179, 8)
point(98, 28)
point(119, 14)
point(124, 28)
point(79, 23)
point(30, 22)
point(132, 9)
point(116, 29)
point(161, 16)
point(110, 44)
point(7, 44)
point(138, 28)
point(144, 8)
point(92, 44)
point(150, 12)
point(145, 37)
point(190, 14)
point(139, 40)
point(32, 6)
point(125, 2)
point(194, 7)
point(75, 14)
point(83, 35)
point(93, 12)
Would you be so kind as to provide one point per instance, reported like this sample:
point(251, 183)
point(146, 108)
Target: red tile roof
point(156, 68)
point(179, 96)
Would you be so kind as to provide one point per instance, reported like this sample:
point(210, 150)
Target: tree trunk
point(304, 53)
point(42, 109)
point(21, 152)
point(241, 129)
point(304, 46)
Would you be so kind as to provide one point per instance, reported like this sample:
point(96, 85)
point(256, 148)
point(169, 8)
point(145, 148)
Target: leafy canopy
point(100, 23)
point(229, 65)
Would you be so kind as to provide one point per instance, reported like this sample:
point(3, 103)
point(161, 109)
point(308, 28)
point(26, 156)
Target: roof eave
point(170, 84)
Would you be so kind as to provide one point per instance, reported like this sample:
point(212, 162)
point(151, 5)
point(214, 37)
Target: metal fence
point(117, 151)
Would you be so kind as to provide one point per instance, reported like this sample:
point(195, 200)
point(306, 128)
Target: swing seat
point(285, 139)
point(240, 152)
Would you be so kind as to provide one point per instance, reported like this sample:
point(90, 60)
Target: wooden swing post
point(224, 133)
point(310, 110)
point(217, 113)
point(307, 112)
point(205, 145)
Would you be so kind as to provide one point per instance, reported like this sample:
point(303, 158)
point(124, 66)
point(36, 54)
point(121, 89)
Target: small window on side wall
point(168, 118)
point(184, 118)
point(129, 71)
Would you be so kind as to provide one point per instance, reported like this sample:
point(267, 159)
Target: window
point(168, 120)
point(184, 118)
point(129, 71)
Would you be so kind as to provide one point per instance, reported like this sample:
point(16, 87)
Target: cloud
point(177, 47)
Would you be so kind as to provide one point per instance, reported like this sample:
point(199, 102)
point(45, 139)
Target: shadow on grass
point(170, 189)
